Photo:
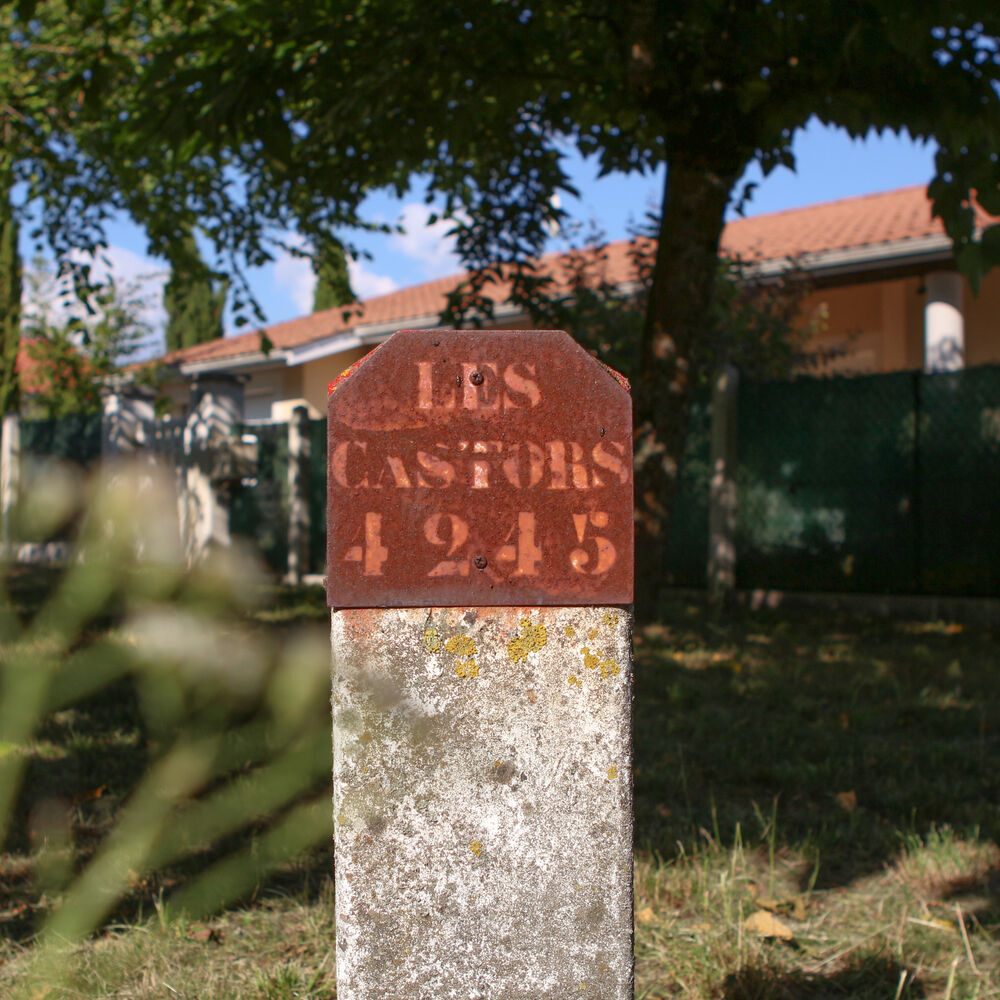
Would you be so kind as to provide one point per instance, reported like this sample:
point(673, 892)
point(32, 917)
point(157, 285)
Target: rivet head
point(476, 378)
point(479, 562)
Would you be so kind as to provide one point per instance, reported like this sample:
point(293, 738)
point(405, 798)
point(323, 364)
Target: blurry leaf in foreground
point(203, 651)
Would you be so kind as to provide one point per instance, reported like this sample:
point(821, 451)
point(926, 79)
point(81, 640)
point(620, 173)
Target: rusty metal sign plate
point(486, 467)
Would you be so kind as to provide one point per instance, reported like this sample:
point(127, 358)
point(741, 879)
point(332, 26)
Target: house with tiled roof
point(885, 296)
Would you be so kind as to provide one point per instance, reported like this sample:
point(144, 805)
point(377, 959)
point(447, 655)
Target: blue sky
point(829, 165)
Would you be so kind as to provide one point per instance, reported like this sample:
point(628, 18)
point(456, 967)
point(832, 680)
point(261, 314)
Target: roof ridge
point(854, 198)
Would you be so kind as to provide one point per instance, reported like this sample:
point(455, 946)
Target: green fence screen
point(876, 484)
point(74, 438)
point(873, 484)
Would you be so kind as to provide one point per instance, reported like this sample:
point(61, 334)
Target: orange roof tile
point(848, 223)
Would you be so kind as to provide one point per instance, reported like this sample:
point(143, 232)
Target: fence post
point(479, 564)
point(721, 572)
point(10, 473)
point(299, 457)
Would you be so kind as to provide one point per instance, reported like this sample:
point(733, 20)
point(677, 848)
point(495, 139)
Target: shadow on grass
point(838, 736)
point(866, 978)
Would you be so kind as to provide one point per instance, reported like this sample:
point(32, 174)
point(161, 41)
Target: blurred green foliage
point(158, 742)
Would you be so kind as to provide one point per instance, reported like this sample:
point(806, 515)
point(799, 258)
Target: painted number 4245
point(593, 555)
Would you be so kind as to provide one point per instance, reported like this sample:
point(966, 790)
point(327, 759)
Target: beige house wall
point(879, 326)
point(318, 374)
point(982, 322)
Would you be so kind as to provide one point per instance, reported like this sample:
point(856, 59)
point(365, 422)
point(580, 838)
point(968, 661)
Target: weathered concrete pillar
point(944, 322)
point(721, 573)
point(10, 473)
point(479, 563)
point(299, 456)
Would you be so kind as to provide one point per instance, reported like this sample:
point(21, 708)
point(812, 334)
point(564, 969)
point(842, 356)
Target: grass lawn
point(817, 815)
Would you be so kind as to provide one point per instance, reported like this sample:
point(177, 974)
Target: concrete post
point(127, 423)
point(216, 410)
point(721, 573)
point(944, 322)
point(480, 569)
point(299, 455)
point(10, 474)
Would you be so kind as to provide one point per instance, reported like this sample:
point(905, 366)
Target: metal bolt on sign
point(480, 572)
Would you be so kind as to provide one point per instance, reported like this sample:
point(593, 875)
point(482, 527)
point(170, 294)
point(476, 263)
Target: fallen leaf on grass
point(202, 933)
point(768, 925)
point(645, 915)
point(848, 801)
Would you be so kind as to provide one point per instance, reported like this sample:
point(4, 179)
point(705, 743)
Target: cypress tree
point(194, 297)
point(333, 284)
point(10, 301)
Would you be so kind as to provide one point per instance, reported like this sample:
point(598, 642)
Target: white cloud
point(367, 284)
point(429, 245)
point(294, 276)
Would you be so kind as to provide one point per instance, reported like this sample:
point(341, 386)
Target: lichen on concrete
point(531, 638)
point(484, 832)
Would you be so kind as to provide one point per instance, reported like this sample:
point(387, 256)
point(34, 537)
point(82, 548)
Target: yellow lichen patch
point(531, 639)
point(431, 640)
point(570, 631)
point(341, 818)
point(467, 668)
point(612, 773)
point(575, 681)
point(593, 634)
point(610, 669)
point(590, 660)
point(461, 645)
point(610, 620)
point(476, 848)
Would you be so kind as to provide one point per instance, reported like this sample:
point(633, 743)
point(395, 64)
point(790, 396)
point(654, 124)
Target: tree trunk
point(684, 274)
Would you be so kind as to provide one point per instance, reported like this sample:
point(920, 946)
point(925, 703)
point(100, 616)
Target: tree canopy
point(246, 115)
